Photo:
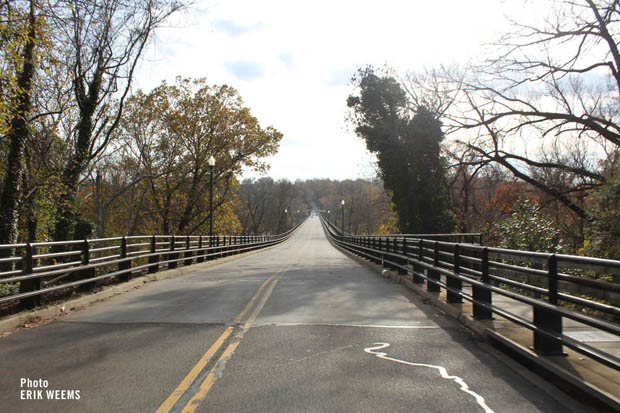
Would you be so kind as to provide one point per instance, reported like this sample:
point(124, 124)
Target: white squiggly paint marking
point(442, 371)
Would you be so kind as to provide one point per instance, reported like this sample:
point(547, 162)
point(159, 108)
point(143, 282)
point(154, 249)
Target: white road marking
point(287, 324)
point(442, 371)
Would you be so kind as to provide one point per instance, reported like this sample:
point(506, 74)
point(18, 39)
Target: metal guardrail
point(44, 267)
point(554, 285)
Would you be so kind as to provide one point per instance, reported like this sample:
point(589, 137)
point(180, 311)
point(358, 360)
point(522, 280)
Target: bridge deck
point(293, 328)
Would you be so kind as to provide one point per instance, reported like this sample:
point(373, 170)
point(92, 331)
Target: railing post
point(172, 264)
point(86, 273)
point(419, 268)
point(548, 319)
point(85, 253)
point(404, 262)
point(187, 254)
point(210, 249)
point(153, 259)
point(374, 247)
point(433, 274)
point(387, 249)
point(32, 284)
point(200, 252)
point(453, 282)
point(482, 295)
point(124, 265)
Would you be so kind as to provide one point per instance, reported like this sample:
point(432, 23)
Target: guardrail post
point(32, 284)
point(210, 249)
point(482, 295)
point(374, 247)
point(387, 249)
point(153, 259)
point(405, 261)
point(432, 274)
point(453, 282)
point(200, 252)
point(419, 268)
point(85, 253)
point(548, 319)
point(172, 256)
point(86, 273)
point(187, 254)
point(124, 265)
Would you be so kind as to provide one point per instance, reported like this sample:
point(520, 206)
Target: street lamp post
point(342, 223)
point(211, 163)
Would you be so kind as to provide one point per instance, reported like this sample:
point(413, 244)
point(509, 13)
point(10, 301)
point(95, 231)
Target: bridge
point(308, 321)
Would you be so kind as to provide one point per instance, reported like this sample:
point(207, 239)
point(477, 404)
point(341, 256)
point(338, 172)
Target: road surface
point(299, 327)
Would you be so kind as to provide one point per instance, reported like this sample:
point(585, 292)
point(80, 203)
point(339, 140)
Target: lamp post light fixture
point(342, 203)
point(211, 163)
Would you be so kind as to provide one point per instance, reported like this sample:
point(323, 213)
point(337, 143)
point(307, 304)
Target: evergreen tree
point(407, 145)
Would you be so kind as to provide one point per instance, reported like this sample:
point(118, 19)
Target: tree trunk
point(18, 134)
point(99, 209)
point(65, 215)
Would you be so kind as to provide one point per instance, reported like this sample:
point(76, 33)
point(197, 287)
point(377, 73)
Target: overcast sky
point(292, 62)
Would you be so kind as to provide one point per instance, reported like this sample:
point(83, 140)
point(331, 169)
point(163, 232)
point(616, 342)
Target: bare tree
point(256, 198)
point(105, 40)
point(545, 107)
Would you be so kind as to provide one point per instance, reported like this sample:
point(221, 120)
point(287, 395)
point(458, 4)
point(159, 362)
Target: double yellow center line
point(267, 287)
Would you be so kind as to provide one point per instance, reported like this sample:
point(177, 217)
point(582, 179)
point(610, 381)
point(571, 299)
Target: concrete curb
point(11, 323)
point(489, 335)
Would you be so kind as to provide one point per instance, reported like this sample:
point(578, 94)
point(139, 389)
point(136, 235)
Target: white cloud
point(291, 62)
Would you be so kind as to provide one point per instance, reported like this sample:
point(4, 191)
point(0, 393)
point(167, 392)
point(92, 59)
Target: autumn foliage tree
point(164, 143)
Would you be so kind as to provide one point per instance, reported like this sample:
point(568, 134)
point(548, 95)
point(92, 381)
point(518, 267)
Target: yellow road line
point(260, 305)
point(208, 382)
point(195, 371)
point(206, 385)
point(251, 303)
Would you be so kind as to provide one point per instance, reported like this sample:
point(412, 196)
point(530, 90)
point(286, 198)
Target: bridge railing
point(32, 270)
point(554, 286)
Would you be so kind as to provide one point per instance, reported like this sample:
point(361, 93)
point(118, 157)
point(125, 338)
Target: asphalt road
point(300, 327)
